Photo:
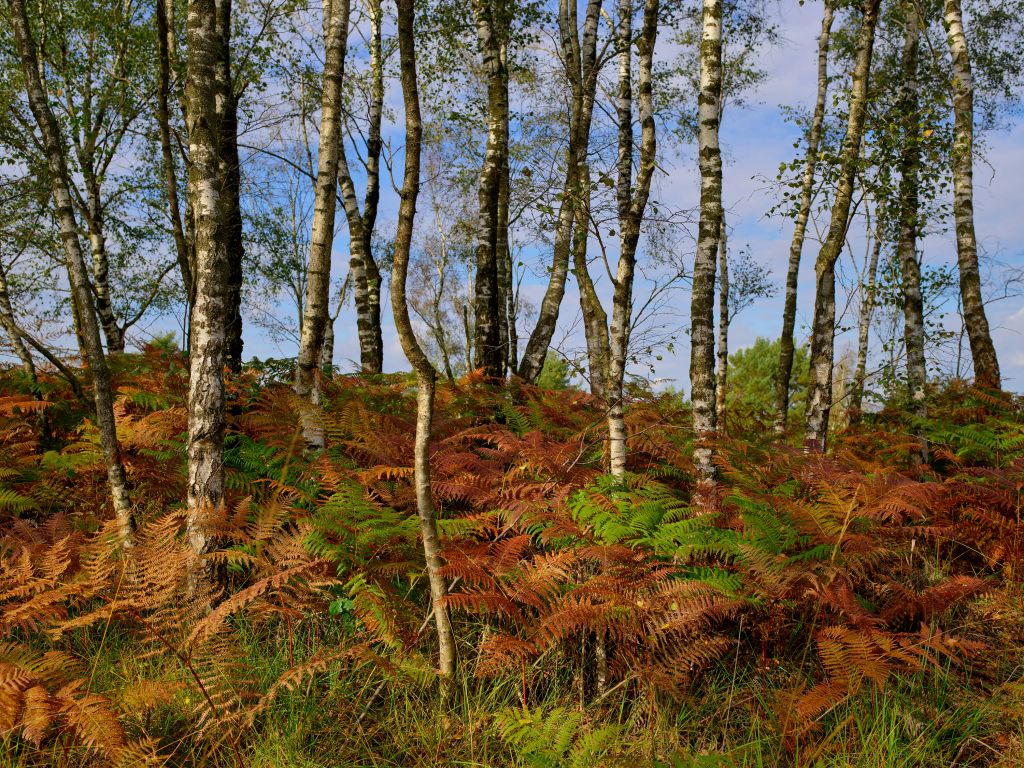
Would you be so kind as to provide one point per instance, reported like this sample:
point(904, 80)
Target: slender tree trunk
point(425, 374)
point(17, 338)
point(10, 326)
point(910, 266)
point(489, 354)
point(632, 202)
point(327, 359)
point(165, 40)
point(595, 320)
point(366, 277)
point(823, 334)
point(983, 352)
point(318, 281)
point(723, 325)
point(702, 312)
point(230, 173)
point(78, 274)
point(580, 64)
point(207, 189)
point(786, 343)
point(112, 331)
point(506, 291)
point(867, 307)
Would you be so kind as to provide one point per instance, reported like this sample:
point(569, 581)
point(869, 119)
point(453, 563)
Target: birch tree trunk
point(426, 376)
point(702, 311)
point(595, 320)
point(506, 288)
point(10, 326)
point(786, 343)
point(819, 401)
point(487, 305)
point(318, 273)
point(208, 354)
point(366, 277)
point(632, 202)
point(230, 174)
point(867, 307)
point(579, 59)
point(983, 352)
point(910, 266)
point(165, 40)
point(113, 333)
point(78, 274)
point(722, 352)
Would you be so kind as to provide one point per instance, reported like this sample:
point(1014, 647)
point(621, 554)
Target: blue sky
point(755, 140)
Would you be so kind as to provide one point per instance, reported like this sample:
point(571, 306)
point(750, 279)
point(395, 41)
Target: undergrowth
point(859, 609)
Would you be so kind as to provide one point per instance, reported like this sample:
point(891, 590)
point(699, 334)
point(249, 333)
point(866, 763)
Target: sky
point(755, 139)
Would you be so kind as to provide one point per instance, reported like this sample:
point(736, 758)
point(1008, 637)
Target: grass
point(352, 716)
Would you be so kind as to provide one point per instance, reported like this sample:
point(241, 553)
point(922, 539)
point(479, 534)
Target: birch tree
point(208, 329)
point(908, 213)
point(426, 376)
point(823, 330)
point(492, 27)
point(803, 212)
point(78, 274)
point(869, 283)
point(579, 57)
point(366, 276)
point(702, 310)
point(318, 282)
point(631, 198)
point(983, 352)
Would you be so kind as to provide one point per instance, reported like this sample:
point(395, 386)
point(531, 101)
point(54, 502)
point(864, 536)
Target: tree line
point(531, 127)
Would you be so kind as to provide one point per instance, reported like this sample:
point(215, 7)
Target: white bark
point(208, 336)
point(983, 352)
point(318, 282)
point(702, 322)
point(425, 374)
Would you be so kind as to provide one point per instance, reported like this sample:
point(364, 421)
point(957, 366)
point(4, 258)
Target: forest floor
point(860, 609)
